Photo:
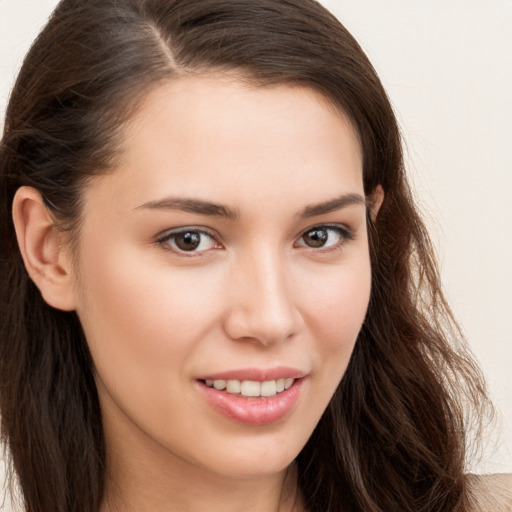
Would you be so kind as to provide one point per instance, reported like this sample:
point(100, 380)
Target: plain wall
point(447, 66)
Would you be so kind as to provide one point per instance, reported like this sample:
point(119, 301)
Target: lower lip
point(254, 411)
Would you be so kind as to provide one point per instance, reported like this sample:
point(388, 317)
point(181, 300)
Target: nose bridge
point(262, 306)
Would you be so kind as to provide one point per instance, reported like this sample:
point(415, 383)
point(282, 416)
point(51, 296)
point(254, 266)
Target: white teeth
point(233, 386)
point(268, 388)
point(251, 388)
point(219, 384)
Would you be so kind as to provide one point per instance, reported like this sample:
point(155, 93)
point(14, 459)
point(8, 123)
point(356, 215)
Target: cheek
point(340, 301)
point(136, 315)
point(336, 310)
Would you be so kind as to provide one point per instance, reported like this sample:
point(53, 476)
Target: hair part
point(394, 434)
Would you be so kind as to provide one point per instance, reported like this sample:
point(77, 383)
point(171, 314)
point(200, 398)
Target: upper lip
point(257, 374)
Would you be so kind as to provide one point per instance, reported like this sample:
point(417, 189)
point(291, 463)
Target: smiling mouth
point(251, 388)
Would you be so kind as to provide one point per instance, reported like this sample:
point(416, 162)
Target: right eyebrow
point(198, 206)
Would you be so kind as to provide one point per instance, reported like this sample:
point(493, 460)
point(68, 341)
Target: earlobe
point(376, 200)
point(46, 259)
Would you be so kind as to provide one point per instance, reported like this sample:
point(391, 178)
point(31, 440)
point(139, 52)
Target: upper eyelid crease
point(344, 232)
point(341, 228)
point(165, 236)
point(178, 231)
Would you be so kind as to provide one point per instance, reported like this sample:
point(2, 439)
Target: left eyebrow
point(332, 205)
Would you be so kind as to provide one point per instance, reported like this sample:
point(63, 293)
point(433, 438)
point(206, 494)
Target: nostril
point(263, 325)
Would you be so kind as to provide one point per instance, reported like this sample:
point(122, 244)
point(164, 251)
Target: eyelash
point(343, 233)
point(170, 237)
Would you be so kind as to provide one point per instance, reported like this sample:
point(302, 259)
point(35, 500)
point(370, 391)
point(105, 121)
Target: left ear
point(47, 259)
point(375, 201)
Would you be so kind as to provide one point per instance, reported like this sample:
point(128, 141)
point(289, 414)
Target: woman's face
point(230, 245)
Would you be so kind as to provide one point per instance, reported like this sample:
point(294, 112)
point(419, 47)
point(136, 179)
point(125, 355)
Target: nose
point(262, 305)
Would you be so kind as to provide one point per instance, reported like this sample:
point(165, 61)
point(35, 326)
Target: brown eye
point(316, 237)
point(188, 241)
point(324, 237)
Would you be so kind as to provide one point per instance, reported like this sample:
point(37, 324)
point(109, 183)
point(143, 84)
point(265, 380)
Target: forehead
point(220, 136)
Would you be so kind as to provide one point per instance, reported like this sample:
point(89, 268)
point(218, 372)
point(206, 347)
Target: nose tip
point(263, 306)
point(260, 325)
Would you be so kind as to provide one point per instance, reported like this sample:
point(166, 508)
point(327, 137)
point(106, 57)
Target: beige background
point(447, 66)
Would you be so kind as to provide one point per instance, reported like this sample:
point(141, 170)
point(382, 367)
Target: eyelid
point(163, 238)
point(346, 234)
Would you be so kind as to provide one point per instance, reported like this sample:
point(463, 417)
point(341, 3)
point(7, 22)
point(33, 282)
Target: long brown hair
point(394, 436)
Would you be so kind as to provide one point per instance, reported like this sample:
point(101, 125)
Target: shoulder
point(490, 493)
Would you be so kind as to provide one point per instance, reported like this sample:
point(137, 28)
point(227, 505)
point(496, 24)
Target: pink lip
point(254, 411)
point(259, 374)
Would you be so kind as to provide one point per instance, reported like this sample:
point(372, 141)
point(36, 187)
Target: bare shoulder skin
point(491, 493)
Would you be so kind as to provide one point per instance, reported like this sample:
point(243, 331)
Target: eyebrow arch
point(198, 206)
point(332, 205)
point(202, 207)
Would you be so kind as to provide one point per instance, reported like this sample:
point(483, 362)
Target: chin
point(258, 456)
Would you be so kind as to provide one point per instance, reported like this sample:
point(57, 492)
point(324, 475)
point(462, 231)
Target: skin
point(253, 293)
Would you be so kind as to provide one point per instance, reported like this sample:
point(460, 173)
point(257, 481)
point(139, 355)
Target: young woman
point(217, 293)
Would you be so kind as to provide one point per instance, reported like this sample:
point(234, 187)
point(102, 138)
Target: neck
point(170, 489)
point(153, 480)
